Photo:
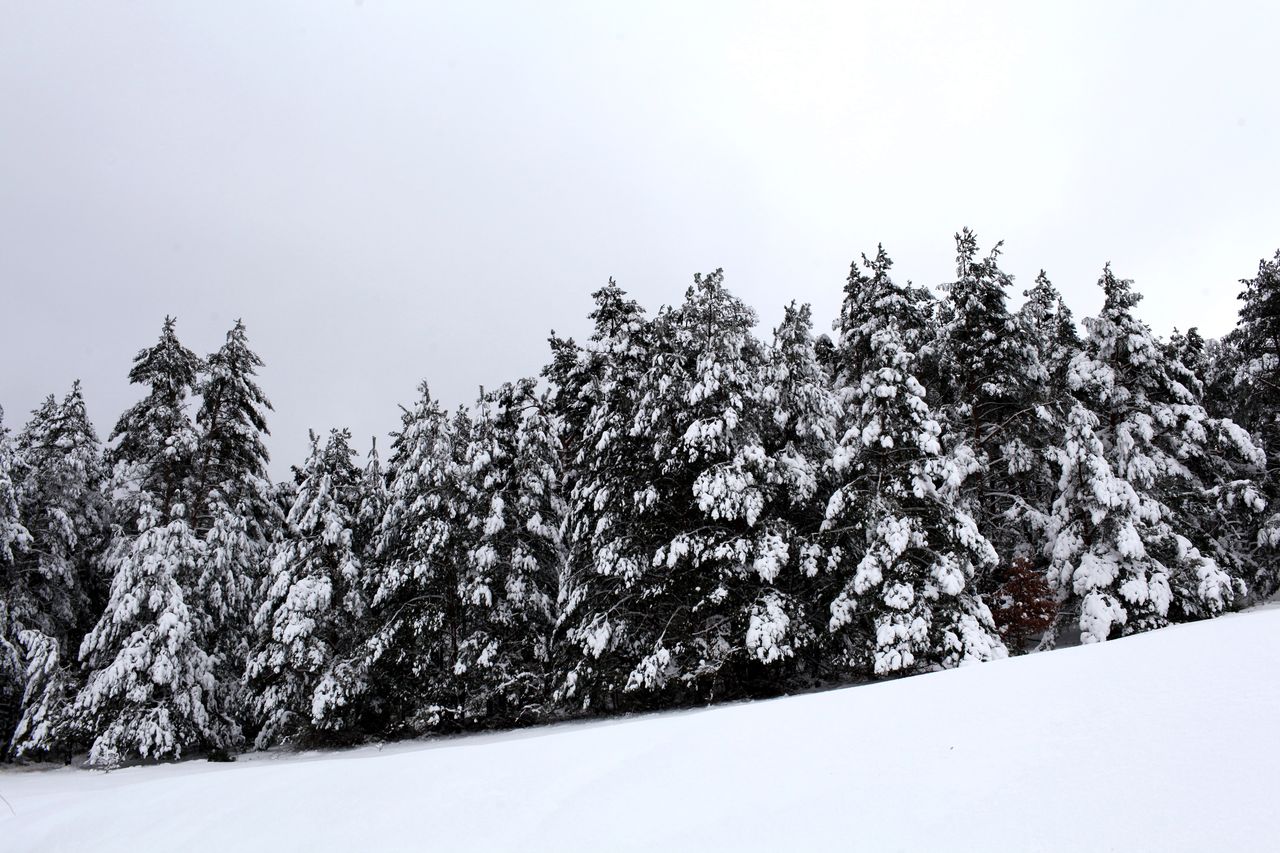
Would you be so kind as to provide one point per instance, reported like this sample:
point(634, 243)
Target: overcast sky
point(387, 192)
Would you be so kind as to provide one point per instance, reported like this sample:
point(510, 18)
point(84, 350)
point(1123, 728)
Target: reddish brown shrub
point(1023, 605)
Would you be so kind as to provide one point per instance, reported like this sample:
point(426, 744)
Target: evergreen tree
point(1252, 355)
point(232, 463)
point(421, 545)
point(901, 551)
point(152, 689)
point(305, 669)
point(1138, 450)
point(1031, 459)
point(610, 465)
point(800, 430)
point(14, 540)
point(994, 380)
point(62, 475)
point(57, 587)
point(153, 446)
point(689, 525)
point(1052, 329)
point(510, 577)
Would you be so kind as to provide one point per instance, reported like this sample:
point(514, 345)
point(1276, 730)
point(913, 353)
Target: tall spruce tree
point(154, 444)
point(509, 579)
point(900, 550)
point(1138, 453)
point(14, 540)
point(152, 689)
point(991, 396)
point(1252, 354)
point(609, 466)
point(306, 668)
point(60, 586)
point(421, 546)
point(691, 567)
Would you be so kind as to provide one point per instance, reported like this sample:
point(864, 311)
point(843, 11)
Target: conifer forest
point(675, 511)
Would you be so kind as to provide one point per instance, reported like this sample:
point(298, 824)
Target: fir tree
point(14, 540)
point(306, 670)
point(610, 466)
point(153, 446)
point(1138, 451)
point(995, 377)
point(510, 577)
point(421, 545)
point(152, 691)
point(901, 551)
point(1252, 355)
point(58, 584)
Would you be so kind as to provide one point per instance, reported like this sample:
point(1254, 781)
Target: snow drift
point(1164, 741)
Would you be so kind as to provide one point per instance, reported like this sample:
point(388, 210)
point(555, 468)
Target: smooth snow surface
point(1161, 742)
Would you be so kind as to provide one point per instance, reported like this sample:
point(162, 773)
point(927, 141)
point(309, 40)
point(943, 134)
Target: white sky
point(393, 191)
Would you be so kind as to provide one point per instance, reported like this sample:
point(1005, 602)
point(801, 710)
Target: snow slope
point(1164, 742)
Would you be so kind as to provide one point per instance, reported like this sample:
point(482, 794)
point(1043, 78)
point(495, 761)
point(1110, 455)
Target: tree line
point(677, 512)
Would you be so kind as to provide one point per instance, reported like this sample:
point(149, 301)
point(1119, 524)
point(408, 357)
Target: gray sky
point(393, 191)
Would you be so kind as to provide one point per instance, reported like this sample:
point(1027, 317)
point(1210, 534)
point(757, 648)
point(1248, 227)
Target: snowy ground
point(1161, 742)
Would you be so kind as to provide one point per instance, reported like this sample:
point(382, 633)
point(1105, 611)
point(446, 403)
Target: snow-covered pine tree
point(800, 430)
point(373, 503)
point(1052, 329)
point(152, 691)
point(14, 540)
point(48, 687)
point(1252, 395)
point(684, 599)
point(991, 399)
point(901, 551)
point(232, 456)
point(233, 507)
point(60, 587)
point(14, 536)
point(421, 544)
point(1140, 462)
point(153, 446)
point(510, 577)
point(60, 494)
point(306, 668)
point(609, 466)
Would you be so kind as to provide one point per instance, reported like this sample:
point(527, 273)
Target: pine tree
point(152, 689)
point(421, 545)
point(153, 446)
point(800, 430)
point(1136, 464)
point(1052, 328)
point(510, 577)
point(232, 462)
point(305, 670)
point(610, 465)
point(62, 475)
point(901, 551)
point(59, 586)
point(691, 532)
point(1252, 353)
point(992, 396)
point(14, 541)
point(48, 687)
point(1031, 459)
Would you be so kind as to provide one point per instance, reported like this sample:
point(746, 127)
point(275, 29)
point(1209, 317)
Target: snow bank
point(1164, 741)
